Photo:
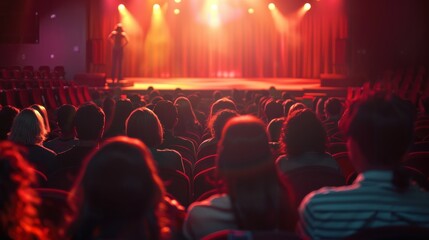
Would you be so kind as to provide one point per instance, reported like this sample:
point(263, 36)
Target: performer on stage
point(119, 39)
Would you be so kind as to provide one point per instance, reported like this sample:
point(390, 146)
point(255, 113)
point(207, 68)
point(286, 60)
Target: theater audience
point(119, 195)
point(123, 108)
point(89, 124)
point(304, 142)
point(216, 125)
point(108, 109)
point(296, 106)
point(187, 122)
point(144, 125)
point(379, 130)
point(286, 106)
point(273, 109)
point(167, 115)
point(19, 218)
point(333, 113)
point(46, 121)
point(255, 197)
point(7, 114)
point(67, 135)
point(28, 130)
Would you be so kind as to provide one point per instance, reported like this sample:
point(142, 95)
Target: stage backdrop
point(220, 38)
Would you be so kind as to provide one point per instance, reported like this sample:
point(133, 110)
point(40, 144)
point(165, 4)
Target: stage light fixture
point(177, 11)
point(121, 7)
point(251, 11)
point(156, 7)
point(271, 6)
point(307, 6)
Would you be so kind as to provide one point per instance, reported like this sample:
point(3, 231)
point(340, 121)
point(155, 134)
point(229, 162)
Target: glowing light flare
point(280, 21)
point(156, 7)
point(177, 1)
point(251, 11)
point(307, 6)
point(272, 6)
point(214, 7)
point(303, 10)
point(177, 11)
point(131, 25)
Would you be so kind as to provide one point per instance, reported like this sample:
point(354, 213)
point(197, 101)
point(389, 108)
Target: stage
point(299, 86)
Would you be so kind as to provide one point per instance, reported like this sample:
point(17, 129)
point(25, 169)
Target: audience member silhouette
point(119, 195)
point(89, 124)
point(216, 125)
point(304, 142)
point(7, 114)
point(67, 135)
point(286, 106)
point(167, 115)
point(18, 200)
point(44, 113)
point(379, 129)
point(144, 125)
point(109, 109)
point(255, 196)
point(28, 130)
point(187, 122)
point(123, 108)
point(273, 109)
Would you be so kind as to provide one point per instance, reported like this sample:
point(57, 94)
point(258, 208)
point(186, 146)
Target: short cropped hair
point(89, 122)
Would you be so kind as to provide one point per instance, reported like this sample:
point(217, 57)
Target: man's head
point(89, 122)
point(333, 108)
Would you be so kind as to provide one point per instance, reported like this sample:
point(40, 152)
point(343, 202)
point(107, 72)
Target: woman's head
point(44, 113)
point(185, 111)
point(219, 120)
point(144, 125)
point(18, 200)
point(243, 149)
point(28, 128)
point(303, 132)
point(118, 184)
point(259, 197)
point(220, 104)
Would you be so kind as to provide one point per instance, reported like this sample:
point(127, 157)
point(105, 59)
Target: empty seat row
point(51, 98)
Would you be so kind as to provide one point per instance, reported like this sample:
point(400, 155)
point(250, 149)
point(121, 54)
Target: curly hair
point(19, 217)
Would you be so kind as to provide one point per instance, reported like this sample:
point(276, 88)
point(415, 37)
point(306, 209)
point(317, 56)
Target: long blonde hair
point(28, 128)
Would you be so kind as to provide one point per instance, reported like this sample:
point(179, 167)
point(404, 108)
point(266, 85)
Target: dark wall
point(62, 38)
point(388, 34)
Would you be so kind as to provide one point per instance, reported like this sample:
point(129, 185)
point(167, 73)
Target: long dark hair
point(118, 194)
point(259, 196)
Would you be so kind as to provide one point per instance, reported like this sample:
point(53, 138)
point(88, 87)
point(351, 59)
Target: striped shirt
point(370, 202)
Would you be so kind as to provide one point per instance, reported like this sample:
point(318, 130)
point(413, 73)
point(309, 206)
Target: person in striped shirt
point(379, 128)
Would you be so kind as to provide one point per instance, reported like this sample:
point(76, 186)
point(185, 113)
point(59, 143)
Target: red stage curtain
point(248, 46)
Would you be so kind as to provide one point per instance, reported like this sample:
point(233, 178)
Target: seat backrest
point(205, 163)
point(343, 161)
point(177, 184)
point(205, 181)
point(418, 160)
point(307, 179)
point(206, 151)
